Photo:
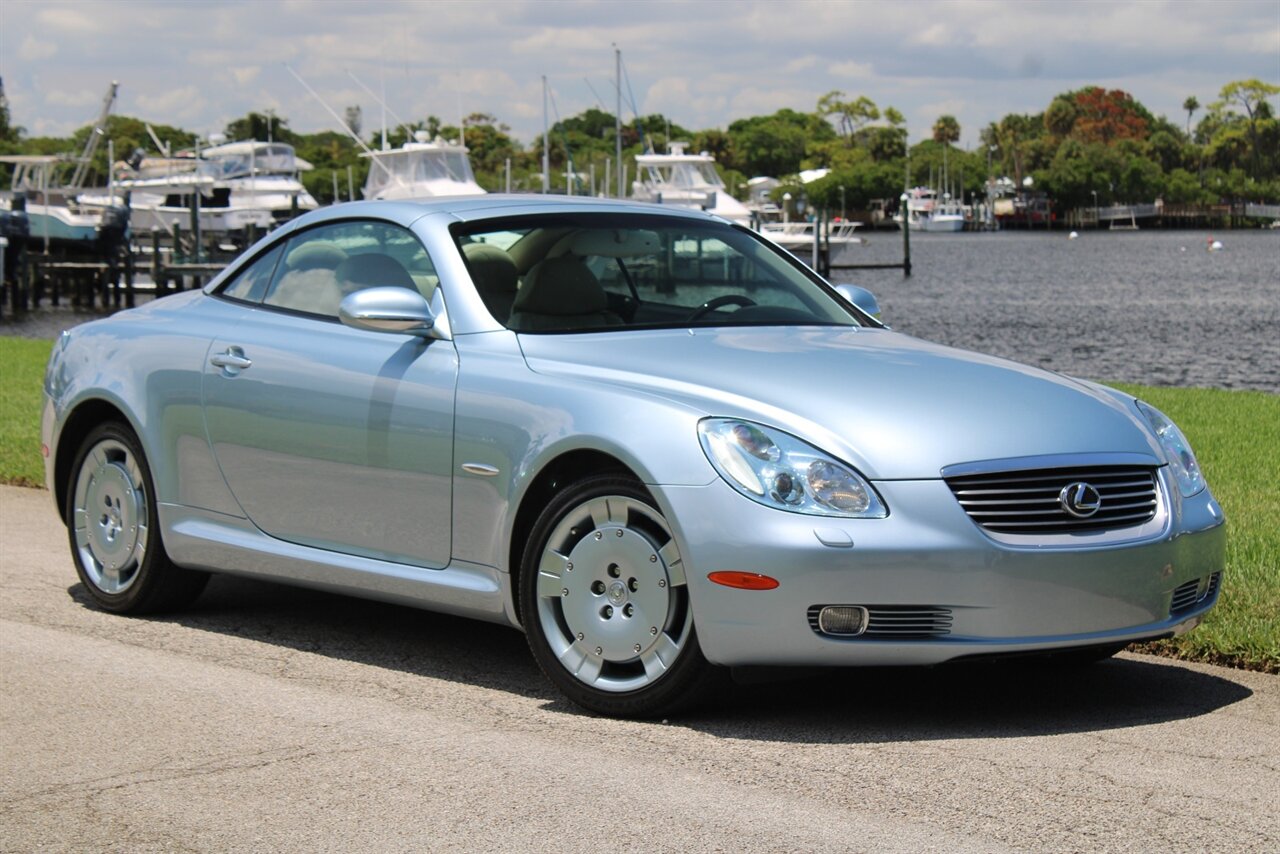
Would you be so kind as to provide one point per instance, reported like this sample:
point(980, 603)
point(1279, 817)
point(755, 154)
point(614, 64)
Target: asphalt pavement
point(273, 719)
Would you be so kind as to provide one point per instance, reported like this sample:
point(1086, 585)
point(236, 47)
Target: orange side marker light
point(743, 580)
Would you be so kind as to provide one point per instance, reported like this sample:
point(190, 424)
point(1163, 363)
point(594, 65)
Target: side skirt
point(200, 539)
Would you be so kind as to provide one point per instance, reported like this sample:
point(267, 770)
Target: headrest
point(374, 270)
point(315, 255)
point(491, 268)
point(561, 286)
point(614, 243)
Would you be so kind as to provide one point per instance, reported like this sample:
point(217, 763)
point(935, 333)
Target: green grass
point(1236, 436)
point(22, 362)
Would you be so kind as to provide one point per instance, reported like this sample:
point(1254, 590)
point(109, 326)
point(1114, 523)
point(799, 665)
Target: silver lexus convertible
point(650, 438)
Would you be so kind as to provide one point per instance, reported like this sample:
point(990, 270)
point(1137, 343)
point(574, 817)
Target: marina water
point(1152, 307)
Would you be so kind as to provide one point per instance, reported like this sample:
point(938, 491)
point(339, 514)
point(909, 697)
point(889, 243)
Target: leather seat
point(559, 295)
point(495, 276)
point(372, 270)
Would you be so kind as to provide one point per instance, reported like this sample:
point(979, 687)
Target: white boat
point(797, 238)
point(241, 184)
point(420, 169)
point(687, 181)
point(54, 213)
point(927, 212)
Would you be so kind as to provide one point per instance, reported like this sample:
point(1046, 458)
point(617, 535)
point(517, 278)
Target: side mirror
point(388, 310)
point(861, 297)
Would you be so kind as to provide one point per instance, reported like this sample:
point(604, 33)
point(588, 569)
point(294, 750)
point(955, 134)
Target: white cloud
point(77, 99)
point(172, 105)
point(67, 18)
point(33, 49)
point(853, 69)
point(246, 74)
point(803, 63)
point(703, 64)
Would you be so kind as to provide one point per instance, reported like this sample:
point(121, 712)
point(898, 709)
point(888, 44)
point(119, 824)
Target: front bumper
point(928, 554)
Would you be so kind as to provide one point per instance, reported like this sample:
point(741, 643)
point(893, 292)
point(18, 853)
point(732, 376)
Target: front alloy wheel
point(113, 526)
point(605, 603)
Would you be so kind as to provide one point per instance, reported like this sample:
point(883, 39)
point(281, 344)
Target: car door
point(329, 436)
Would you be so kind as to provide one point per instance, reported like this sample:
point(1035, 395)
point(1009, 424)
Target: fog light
point(842, 620)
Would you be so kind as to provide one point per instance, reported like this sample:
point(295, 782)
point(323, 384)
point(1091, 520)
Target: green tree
point(946, 130)
point(1251, 96)
point(850, 116)
point(776, 144)
point(260, 126)
point(1060, 117)
point(1191, 104)
point(9, 133)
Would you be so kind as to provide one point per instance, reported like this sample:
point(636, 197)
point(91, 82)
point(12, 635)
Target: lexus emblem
point(1080, 500)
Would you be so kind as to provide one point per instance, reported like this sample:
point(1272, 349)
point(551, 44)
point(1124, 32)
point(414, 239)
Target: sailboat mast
point(546, 141)
point(617, 119)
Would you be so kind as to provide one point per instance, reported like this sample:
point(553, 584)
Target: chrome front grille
point(1194, 593)
point(897, 622)
point(1030, 502)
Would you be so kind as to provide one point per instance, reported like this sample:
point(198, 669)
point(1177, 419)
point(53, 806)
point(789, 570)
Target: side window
point(251, 283)
point(322, 265)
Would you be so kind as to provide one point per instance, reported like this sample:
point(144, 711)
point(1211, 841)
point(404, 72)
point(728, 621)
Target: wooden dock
point(159, 264)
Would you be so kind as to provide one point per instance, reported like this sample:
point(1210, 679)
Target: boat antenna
point(360, 142)
point(546, 141)
point(595, 94)
point(617, 119)
point(635, 111)
point(384, 108)
point(374, 96)
point(564, 136)
point(462, 127)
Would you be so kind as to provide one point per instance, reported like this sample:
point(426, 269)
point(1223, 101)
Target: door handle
point(232, 360)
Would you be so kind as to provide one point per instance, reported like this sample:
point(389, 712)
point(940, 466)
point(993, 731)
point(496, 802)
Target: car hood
point(894, 406)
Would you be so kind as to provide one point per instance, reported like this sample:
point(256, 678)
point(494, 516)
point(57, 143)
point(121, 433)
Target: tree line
point(1089, 146)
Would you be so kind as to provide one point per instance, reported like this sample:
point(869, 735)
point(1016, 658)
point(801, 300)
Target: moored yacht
point(419, 169)
point(687, 181)
point(797, 238)
point(927, 212)
point(240, 184)
point(53, 212)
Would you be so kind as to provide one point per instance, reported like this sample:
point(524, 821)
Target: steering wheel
point(719, 302)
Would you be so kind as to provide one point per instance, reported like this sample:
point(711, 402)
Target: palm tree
point(1190, 105)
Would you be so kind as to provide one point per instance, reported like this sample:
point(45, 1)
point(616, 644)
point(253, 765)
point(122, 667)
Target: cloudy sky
point(199, 64)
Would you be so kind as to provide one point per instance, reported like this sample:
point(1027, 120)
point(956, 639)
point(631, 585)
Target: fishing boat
point(240, 184)
point(421, 168)
point(54, 214)
point(687, 181)
point(42, 190)
point(927, 212)
point(838, 238)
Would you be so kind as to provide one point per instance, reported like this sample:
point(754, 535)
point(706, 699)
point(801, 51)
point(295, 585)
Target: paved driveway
point(277, 719)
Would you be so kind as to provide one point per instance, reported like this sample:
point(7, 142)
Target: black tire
point(621, 642)
point(114, 531)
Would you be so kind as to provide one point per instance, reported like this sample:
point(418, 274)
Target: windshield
point(261, 159)
point(407, 167)
point(685, 175)
point(579, 272)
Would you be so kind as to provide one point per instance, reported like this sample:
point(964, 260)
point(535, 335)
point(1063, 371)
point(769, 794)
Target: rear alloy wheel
point(605, 604)
point(114, 529)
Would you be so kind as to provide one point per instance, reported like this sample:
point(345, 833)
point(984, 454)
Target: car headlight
point(780, 471)
point(1177, 450)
